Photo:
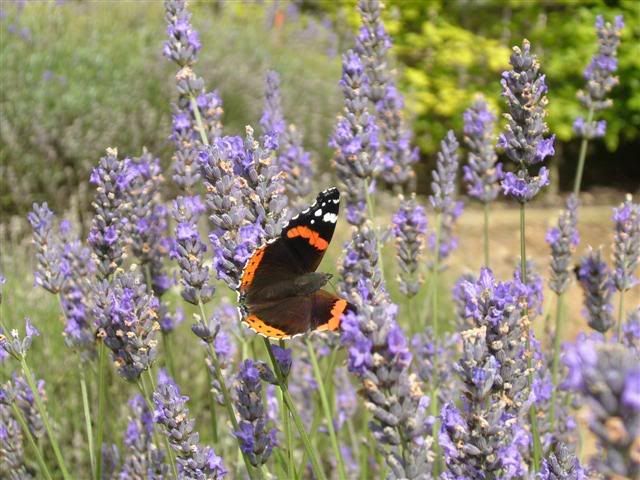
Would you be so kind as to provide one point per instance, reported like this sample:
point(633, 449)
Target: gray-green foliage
point(80, 77)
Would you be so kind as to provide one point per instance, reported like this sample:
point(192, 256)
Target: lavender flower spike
point(561, 464)
point(563, 240)
point(600, 78)
point(127, 317)
point(111, 178)
point(355, 140)
point(13, 465)
point(256, 439)
point(272, 121)
point(607, 377)
point(372, 45)
point(443, 199)
point(626, 251)
point(48, 270)
point(523, 139)
point(595, 279)
point(172, 414)
point(483, 172)
point(17, 346)
point(409, 229)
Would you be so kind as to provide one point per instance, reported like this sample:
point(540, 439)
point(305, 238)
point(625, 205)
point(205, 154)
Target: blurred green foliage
point(79, 77)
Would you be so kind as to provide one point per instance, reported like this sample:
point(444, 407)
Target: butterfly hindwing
point(327, 310)
point(308, 234)
point(283, 319)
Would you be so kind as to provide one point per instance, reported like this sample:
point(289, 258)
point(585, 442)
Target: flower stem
point(537, 448)
point(286, 420)
point(45, 418)
point(327, 410)
point(217, 371)
point(486, 234)
point(556, 360)
point(620, 315)
point(34, 446)
point(102, 367)
point(581, 159)
point(315, 464)
point(196, 113)
point(87, 418)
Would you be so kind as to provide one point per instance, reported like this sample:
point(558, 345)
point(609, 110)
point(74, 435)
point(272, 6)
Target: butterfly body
point(280, 292)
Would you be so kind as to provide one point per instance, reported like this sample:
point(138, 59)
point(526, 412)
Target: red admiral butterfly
point(280, 292)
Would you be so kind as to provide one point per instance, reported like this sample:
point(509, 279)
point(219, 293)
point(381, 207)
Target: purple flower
point(283, 359)
point(631, 392)
point(482, 173)
point(563, 240)
point(409, 225)
point(594, 277)
point(626, 244)
point(255, 438)
point(172, 415)
point(48, 272)
point(523, 138)
point(272, 120)
point(16, 346)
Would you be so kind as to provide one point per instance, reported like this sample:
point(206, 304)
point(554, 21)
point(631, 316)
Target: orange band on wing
point(336, 313)
point(258, 326)
point(250, 268)
point(313, 237)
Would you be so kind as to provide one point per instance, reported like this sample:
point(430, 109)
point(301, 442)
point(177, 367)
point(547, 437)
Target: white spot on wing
point(318, 213)
point(330, 217)
point(312, 221)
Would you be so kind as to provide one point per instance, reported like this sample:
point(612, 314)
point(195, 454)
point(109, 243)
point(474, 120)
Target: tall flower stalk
point(483, 172)
point(626, 251)
point(523, 142)
point(563, 240)
point(600, 82)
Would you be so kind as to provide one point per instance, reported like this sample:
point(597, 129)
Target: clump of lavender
point(196, 117)
point(561, 464)
point(443, 199)
point(600, 79)
point(355, 140)
point(594, 277)
point(292, 159)
point(379, 356)
point(127, 318)
point(112, 178)
point(189, 250)
point(48, 269)
point(607, 378)
point(523, 139)
point(245, 201)
point(482, 172)
point(172, 415)
point(409, 230)
point(142, 459)
point(256, 438)
point(372, 45)
point(563, 240)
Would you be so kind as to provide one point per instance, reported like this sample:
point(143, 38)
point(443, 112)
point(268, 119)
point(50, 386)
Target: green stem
point(217, 371)
point(581, 159)
point(34, 446)
point(486, 234)
point(286, 419)
point(434, 280)
point(537, 447)
point(556, 360)
point(370, 210)
point(196, 113)
point(327, 410)
point(315, 463)
point(45, 417)
point(149, 400)
point(87, 418)
point(102, 367)
point(166, 341)
point(620, 316)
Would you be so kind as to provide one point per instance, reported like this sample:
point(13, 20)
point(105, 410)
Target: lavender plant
point(595, 279)
point(626, 250)
point(409, 230)
point(482, 172)
point(600, 82)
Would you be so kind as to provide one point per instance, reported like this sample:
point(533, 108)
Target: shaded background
point(78, 77)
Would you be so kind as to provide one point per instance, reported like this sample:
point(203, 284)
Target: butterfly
point(280, 293)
